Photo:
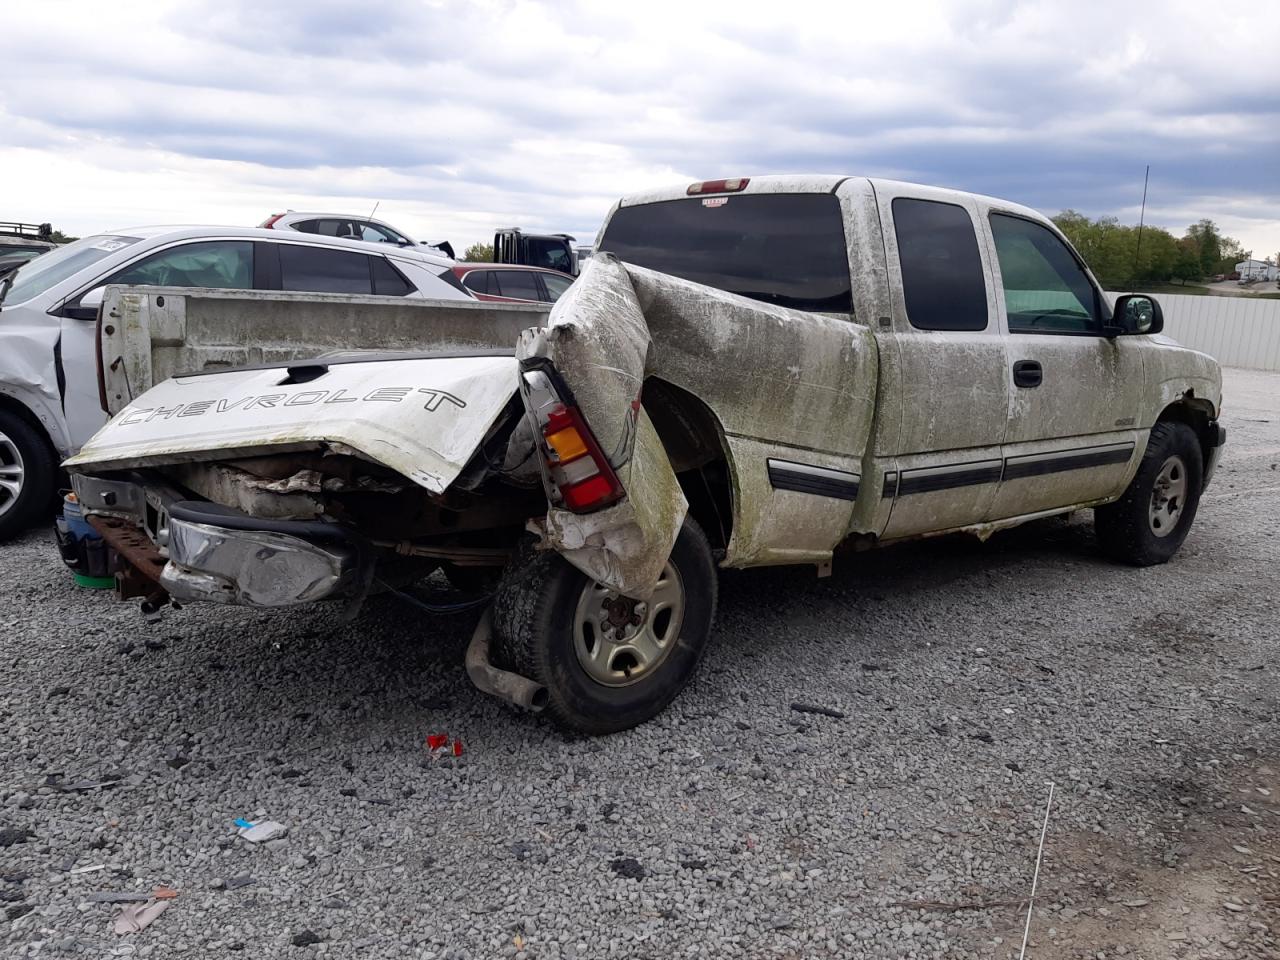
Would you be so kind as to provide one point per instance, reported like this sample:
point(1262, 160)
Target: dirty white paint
point(149, 334)
point(405, 414)
point(866, 395)
point(627, 545)
point(598, 340)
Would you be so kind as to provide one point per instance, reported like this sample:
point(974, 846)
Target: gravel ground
point(969, 676)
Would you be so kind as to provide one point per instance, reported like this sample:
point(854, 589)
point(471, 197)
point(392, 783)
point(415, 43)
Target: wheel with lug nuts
point(27, 472)
point(1168, 497)
point(619, 640)
point(608, 662)
point(1149, 522)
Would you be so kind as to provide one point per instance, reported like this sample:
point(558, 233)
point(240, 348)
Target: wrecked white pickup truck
point(747, 373)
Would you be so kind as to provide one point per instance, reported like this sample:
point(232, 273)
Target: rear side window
point(521, 284)
point(477, 281)
point(320, 270)
point(782, 248)
point(217, 263)
point(556, 286)
point(942, 280)
point(1045, 288)
point(329, 228)
point(387, 281)
point(375, 233)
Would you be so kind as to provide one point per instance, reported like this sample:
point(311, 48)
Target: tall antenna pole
point(1144, 203)
point(1142, 217)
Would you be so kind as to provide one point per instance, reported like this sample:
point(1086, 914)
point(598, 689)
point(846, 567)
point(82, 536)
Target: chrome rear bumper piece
point(254, 568)
point(216, 554)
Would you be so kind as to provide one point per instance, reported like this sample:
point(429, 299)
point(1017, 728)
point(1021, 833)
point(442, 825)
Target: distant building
point(1257, 270)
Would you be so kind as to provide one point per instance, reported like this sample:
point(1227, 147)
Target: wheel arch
point(15, 406)
point(694, 440)
point(1199, 414)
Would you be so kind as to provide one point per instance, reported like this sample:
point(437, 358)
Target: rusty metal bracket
point(137, 561)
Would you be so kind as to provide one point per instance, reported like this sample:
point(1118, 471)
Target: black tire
point(39, 468)
point(533, 615)
point(1125, 528)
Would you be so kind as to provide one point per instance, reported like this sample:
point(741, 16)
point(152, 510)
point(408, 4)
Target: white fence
point(1237, 331)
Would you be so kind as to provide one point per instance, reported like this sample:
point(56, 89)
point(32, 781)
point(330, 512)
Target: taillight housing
point(271, 221)
point(731, 185)
point(579, 474)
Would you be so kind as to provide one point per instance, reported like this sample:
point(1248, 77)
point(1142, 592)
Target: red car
point(508, 283)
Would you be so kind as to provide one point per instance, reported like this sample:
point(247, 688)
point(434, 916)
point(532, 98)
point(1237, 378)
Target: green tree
point(1217, 253)
point(1113, 251)
point(478, 253)
point(1187, 265)
point(1159, 254)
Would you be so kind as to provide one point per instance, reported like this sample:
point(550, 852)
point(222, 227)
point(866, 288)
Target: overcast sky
point(459, 118)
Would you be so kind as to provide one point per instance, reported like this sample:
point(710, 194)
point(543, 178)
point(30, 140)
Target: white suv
point(49, 402)
point(346, 227)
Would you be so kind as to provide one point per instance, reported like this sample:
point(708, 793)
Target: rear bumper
point(195, 551)
point(252, 568)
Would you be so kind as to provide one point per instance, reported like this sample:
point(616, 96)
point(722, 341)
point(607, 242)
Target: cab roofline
point(821, 183)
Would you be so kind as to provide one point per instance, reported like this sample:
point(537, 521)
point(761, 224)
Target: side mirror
point(1135, 313)
point(86, 308)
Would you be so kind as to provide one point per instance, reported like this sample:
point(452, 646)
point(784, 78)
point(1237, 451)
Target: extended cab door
point(944, 389)
point(1074, 395)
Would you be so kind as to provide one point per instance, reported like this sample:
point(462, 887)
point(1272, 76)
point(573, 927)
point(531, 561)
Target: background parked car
point(346, 227)
point(49, 403)
point(551, 250)
point(12, 260)
point(489, 281)
point(20, 242)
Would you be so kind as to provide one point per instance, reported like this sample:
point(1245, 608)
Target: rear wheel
point(1148, 524)
point(27, 471)
point(608, 662)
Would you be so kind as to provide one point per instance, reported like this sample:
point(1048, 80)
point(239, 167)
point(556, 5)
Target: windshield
point(34, 278)
point(782, 248)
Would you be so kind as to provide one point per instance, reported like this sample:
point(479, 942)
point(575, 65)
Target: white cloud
point(462, 117)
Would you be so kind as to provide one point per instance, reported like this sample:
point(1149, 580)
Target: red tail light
point(577, 473)
point(578, 466)
point(732, 185)
point(271, 221)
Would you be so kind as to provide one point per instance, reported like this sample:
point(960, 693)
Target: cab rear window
point(783, 248)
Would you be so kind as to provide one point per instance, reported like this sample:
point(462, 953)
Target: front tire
point(607, 662)
point(27, 472)
point(1147, 525)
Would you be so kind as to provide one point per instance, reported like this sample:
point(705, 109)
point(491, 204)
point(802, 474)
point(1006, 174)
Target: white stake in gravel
point(1035, 879)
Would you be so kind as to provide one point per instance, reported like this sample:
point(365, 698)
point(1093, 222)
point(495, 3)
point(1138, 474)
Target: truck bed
point(149, 334)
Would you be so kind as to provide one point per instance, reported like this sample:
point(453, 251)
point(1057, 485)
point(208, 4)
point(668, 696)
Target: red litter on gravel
point(436, 740)
point(457, 748)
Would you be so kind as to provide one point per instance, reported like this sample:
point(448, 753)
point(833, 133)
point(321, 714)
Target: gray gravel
point(968, 676)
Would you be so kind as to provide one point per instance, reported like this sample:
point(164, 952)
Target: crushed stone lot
point(955, 679)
